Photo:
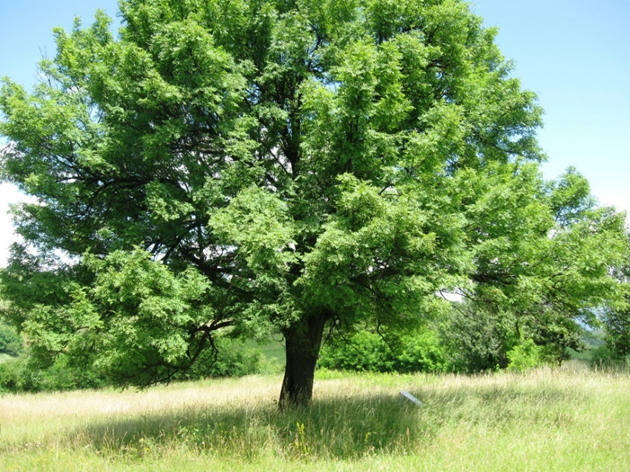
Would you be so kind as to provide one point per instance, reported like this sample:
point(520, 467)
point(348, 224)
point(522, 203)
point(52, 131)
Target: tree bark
point(303, 340)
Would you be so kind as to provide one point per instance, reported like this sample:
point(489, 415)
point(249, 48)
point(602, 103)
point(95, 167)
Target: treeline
point(473, 341)
point(465, 341)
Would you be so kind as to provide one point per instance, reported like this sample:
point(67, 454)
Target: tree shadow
point(341, 428)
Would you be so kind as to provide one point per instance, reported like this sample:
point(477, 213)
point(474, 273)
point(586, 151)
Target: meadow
point(545, 419)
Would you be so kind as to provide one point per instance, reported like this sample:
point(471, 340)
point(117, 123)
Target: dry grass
point(542, 420)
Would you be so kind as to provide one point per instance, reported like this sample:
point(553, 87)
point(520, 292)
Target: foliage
point(544, 256)
point(603, 357)
point(617, 328)
point(25, 374)
point(616, 319)
point(476, 340)
point(18, 375)
point(523, 356)
point(231, 359)
point(10, 342)
point(136, 310)
point(265, 166)
point(367, 351)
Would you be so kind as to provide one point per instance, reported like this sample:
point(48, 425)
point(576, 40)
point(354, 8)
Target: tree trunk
point(303, 340)
point(503, 360)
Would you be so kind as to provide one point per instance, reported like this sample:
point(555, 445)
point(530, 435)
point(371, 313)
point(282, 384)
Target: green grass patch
point(540, 420)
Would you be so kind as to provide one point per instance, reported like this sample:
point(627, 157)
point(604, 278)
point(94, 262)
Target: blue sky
point(575, 54)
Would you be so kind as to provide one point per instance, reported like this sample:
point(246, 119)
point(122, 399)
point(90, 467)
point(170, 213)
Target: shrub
point(524, 356)
point(604, 356)
point(10, 378)
point(476, 340)
point(367, 351)
point(10, 340)
point(21, 375)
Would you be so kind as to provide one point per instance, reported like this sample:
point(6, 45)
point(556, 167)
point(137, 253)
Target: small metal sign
point(410, 397)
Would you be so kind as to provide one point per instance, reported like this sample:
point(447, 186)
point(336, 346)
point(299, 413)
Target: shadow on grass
point(342, 427)
point(329, 428)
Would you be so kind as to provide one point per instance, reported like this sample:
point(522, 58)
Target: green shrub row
point(10, 340)
point(367, 351)
point(422, 351)
point(17, 374)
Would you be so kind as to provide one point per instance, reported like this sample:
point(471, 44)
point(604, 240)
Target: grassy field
point(542, 420)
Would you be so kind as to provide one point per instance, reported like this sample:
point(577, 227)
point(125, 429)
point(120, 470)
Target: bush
point(22, 375)
point(604, 356)
point(476, 340)
point(10, 340)
point(366, 351)
point(524, 356)
point(19, 375)
point(10, 375)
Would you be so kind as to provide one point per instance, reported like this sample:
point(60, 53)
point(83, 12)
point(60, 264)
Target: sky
point(574, 54)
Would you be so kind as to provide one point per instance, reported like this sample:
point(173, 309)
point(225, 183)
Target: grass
point(542, 420)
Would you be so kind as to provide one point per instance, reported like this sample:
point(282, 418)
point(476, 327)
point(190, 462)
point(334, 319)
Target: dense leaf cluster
point(10, 342)
point(421, 351)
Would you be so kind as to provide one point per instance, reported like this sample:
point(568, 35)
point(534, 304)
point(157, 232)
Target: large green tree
point(257, 165)
point(545, 257)
point(616, 318)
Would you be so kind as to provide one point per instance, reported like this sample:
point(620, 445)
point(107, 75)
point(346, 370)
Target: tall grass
point(542, 420)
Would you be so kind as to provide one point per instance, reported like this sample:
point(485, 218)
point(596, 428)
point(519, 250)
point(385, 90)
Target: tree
point(617, 333)
point(616, 319)
point(10, 341)
point(543, 258)
point(253, 165)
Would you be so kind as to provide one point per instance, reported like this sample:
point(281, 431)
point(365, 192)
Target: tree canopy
point(292, 166)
